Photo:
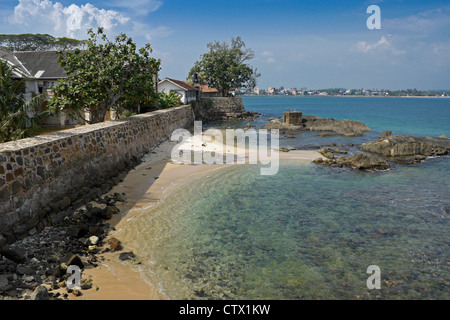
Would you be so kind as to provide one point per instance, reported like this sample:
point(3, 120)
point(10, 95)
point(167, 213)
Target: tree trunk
point(98, 115)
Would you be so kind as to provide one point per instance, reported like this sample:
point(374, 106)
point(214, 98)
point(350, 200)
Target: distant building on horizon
point(258, 91)
point(271, 90)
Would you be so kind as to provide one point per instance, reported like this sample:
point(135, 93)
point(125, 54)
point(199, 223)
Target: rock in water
point(126, 256)
point(359, 161)
point(403, 146)
point(346, 128)
point(363, 162)
point(385, 135)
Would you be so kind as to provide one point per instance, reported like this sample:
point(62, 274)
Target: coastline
point(121, 280)
point(353, 96)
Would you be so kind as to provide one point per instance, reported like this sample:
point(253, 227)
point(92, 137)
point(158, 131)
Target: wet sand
point(147, 185)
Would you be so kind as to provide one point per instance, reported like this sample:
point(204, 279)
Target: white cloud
point(366, 47)
point(53, 17)
point(384, 44)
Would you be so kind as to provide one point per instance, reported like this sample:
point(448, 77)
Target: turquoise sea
point(310, 232)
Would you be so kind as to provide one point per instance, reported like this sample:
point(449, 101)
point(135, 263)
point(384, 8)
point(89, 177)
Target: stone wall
point(49, 173)
point(219, 108)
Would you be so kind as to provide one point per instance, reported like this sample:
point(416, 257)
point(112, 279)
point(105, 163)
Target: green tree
point(18, 117)
point(35, 42)
point(106, 75)
point(224, 66)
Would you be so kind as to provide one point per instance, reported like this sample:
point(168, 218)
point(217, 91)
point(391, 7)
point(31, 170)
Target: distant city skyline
point(312, 44)
point(343, 92)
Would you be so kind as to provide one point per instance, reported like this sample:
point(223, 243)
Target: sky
point(297, 43)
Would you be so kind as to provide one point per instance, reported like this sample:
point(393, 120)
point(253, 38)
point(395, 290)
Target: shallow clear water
point(309, 232)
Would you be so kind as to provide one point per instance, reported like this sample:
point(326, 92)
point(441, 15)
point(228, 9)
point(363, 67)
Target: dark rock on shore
point(37, 263)
point(40, 293)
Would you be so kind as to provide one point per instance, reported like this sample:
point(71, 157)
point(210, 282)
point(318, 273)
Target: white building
point(41, 72)
point(188, 93)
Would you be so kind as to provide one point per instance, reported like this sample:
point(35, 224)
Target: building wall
point(186, 96)
point(167, 86)
point(43, 175)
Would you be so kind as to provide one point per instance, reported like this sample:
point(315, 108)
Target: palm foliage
point(169, 100)
point(17, 116)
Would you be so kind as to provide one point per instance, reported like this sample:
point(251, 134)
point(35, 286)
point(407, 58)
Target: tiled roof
point(204, 88)
point(181, 84)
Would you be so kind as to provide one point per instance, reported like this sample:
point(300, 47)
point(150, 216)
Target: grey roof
point(8, 56)
point(44, 61)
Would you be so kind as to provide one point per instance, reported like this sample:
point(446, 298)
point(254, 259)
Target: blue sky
point(313, 44)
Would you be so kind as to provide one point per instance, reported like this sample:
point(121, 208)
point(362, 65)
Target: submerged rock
point(127, 256)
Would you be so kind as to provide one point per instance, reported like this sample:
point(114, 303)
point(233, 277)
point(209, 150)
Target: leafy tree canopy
point(108, 74)
point(224, 66)
point(38, 42)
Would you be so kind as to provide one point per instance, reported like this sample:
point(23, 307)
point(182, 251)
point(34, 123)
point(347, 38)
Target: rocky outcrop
point(346, 128)
point(359, 161)
point(388, 149)
point(407, 147)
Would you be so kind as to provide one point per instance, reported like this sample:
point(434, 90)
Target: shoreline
point(318, 96)
point(121, 280)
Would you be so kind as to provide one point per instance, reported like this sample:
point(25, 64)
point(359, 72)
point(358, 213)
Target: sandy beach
point(155, 179)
